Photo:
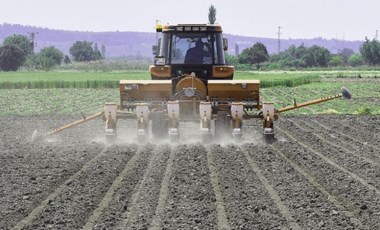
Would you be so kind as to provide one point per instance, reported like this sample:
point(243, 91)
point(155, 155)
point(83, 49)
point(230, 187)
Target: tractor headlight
point(205, 73)
point(179, 72)
point(159, 61)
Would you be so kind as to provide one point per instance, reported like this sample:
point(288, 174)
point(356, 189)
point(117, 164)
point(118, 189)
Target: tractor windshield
point(193, 48)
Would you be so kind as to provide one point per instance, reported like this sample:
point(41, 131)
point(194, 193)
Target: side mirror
point(225, 44)
point(156, 48)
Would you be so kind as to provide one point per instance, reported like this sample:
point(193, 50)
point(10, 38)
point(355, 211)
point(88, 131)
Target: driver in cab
point(196, 54)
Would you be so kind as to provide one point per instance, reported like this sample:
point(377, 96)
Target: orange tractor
point(190, 80)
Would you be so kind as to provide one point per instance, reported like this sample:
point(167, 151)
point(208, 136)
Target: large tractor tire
point(160, 125)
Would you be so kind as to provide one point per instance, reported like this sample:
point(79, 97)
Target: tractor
point(191, 81)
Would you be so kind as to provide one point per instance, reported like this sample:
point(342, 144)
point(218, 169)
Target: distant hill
point(119, 44)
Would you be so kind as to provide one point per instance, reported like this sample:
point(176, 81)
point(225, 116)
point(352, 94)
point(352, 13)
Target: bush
point(336, 61)
point(49, 57)
point(355, 60)
point(11, 57)
point(82, 51)
point(256, 54)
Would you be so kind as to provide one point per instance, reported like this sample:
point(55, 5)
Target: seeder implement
point(219, 113)
point(163, 120)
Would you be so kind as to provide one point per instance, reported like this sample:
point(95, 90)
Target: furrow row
point(353, 192)
point(71, 204)
point(355, 164)
point(357, 151)
point(349, 138)
point(38, 210)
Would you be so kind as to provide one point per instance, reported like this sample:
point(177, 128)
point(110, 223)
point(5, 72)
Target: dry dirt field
point(323, 172)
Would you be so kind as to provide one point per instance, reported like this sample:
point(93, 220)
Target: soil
point(322, 172)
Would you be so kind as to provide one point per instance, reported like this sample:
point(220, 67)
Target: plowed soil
point(323, 172)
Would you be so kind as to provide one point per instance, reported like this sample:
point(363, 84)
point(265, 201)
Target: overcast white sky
point(342, 19)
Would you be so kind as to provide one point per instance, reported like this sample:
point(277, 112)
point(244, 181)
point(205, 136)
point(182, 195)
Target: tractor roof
point(192, 28)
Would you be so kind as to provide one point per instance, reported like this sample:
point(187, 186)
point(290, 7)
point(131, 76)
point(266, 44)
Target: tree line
point(18, 50)
point(300, 57)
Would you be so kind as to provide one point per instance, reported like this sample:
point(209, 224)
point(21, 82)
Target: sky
point(338, 19)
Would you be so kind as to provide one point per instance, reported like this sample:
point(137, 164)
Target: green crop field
point(34, 76)
point(76, 98)
point(55, 101)
point(68, 79)
point(56, 79)
point(365, 97)
point(97, 79)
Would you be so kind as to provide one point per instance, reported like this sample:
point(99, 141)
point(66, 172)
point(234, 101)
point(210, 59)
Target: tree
point(21, 41)
point(309, 59)
point(212, 14)
point(256, 54)
point(302, 57)
point(293, 57)
point(316, 56)
point(49, 57)
point(11, 57)
point(82, 51)
point(336, 60)
point(97, 54)
point(370, 51)
point(231, 60)
point(103, 50)
point(66, 60)
point(345, 54)
point(30, 62)
point(355, 60)
point(322, 55)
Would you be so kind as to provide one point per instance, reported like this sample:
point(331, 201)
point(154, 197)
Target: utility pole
point(237, 49)
point(279, 38)
point(32, 37)
point(376, 34)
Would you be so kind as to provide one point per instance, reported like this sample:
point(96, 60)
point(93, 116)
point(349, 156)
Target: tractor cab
point(191, 48)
